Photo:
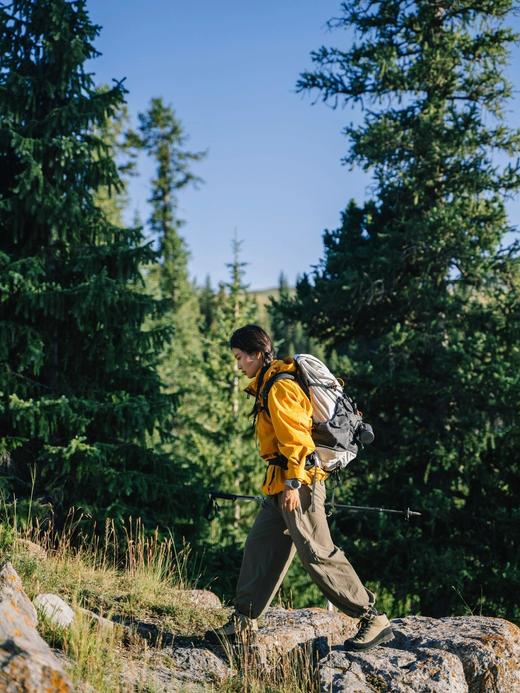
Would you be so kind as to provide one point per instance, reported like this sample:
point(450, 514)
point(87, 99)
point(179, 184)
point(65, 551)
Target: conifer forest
point(119, 395)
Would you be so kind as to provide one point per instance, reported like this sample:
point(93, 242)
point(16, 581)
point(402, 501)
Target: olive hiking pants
point(274, 539)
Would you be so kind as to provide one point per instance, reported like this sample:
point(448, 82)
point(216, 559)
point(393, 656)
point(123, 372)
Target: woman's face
point(249, 364)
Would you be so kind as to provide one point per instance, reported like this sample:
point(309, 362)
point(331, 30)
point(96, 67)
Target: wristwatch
point(293, 483)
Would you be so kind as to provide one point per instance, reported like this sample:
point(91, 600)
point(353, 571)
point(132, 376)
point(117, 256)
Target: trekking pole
point(214, 508)
point(367, 508)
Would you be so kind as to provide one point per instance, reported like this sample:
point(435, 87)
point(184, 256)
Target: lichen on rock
point(27, 663)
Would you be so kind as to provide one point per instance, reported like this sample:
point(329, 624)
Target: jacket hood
point(286, 365)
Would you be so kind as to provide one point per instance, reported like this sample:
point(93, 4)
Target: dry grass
point(137, 577)
point(271, 672)
point(92, 652)
point(140, 576)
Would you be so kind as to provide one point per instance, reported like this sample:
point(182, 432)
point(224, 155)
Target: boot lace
point(364, 625)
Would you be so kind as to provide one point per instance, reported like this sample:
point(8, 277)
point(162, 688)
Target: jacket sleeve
point(291, 416)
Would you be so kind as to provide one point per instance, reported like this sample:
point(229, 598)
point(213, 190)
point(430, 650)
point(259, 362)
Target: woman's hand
point(290, 499)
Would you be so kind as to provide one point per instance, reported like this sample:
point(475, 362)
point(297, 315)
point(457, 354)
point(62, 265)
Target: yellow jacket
point(286, 430)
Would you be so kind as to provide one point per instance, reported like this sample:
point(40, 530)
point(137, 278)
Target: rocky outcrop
point(473, 654)
point(196, 662)
point(197, 665)
point(388, 669)
point(470, 654)
point(27, 663)
point(489, 648)
point(283, 630)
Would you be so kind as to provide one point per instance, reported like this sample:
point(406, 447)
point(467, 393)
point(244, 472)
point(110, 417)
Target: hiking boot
point(238, 626)
point(374, 628)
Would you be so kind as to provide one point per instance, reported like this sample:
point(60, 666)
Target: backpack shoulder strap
point(281, 376)
point(269, 384)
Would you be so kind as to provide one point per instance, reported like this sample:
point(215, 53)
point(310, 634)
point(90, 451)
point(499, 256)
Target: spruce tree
point(79, 393)
point(289, 337)
point(217, 438)
point(218, 430)
point(419, 294)
point(206, 296)
point(113, 132)
point(162, 137)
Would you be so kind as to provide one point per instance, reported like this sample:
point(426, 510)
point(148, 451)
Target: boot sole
point(384, 636)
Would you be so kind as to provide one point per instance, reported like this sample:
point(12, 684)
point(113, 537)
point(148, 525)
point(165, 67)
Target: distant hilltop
point(263, 295)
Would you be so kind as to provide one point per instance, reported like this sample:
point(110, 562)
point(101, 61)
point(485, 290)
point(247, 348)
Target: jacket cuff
point(295, 470)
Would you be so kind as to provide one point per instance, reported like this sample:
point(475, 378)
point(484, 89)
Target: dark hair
point(253, 339)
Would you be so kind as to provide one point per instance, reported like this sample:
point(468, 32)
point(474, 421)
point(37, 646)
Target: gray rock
point(283, 630)
point(489, 648)
point(386, 669)
point(16, 610)
point(471, 653)
point(27, 663)
point(195, 665)
point(188, 669)
point(55, 609)
point(32, 549)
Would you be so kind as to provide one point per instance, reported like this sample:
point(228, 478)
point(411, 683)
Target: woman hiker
point(288, 521)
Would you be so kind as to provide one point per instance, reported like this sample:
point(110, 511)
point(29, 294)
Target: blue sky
point(273, 173)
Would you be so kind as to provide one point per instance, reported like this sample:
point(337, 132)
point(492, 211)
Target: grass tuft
point(138, 578)
point(132, 577)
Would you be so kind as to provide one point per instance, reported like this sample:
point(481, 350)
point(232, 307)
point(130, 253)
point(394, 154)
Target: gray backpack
point(338, 429)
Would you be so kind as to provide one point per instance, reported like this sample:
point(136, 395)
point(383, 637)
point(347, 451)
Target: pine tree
point(161, 136)
point(217, 438)
point(419, 294)
point(289, 337)
point(113, 132)
point(221, 435)
point(80, 396)
point(207, 305)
